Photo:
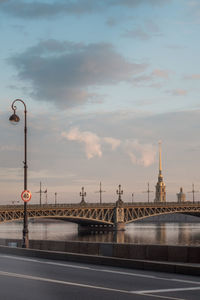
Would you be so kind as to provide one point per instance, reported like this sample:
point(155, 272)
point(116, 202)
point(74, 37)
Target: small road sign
point(26, 196)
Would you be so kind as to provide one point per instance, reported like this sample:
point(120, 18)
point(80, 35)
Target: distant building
point(160, 186)
point(181, 196)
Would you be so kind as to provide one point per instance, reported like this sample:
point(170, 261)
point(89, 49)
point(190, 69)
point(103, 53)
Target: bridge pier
point(120, 226)
point(119, 237)
point(119, 218)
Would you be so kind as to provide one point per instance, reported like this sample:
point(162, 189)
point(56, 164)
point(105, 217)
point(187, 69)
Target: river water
point(142, 233)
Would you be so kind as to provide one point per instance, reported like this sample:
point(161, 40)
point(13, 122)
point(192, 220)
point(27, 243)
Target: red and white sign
point(26, 196)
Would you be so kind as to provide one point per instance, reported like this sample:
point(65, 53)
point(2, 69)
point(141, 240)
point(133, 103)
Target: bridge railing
point(61, 205)
point(89, 205)
point(162, 203)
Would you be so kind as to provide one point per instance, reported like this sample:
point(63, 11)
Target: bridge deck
point(108, 214)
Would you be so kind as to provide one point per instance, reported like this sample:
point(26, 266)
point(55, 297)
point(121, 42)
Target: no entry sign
point(26, 196)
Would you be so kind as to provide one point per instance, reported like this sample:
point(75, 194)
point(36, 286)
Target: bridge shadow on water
point(148, 233)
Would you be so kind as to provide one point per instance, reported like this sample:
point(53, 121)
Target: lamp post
point(132, 197)
point(119, 193)
point(100, 193)
point(15, 119)
point(82, 195)
point(148, 191)
point(55, 198)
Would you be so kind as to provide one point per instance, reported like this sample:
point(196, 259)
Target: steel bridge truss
point(74, 214)
point(132, 214)
point(104, 214)
point(95, 213)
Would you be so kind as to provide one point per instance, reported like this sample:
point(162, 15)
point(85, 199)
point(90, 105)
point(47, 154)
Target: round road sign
point(26, 196)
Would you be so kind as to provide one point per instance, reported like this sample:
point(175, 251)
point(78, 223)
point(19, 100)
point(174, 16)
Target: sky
point(103, 82)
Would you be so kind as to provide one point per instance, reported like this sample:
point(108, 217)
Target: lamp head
point(14, 118)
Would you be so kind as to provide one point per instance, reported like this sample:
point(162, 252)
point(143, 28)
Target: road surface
point(32, 279)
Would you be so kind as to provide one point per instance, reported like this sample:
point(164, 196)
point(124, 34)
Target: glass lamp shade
point(14, 118)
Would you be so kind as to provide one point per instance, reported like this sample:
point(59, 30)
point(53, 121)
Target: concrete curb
point(168, 267)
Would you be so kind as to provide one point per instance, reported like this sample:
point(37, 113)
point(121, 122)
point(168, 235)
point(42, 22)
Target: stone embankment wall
point(185, 254)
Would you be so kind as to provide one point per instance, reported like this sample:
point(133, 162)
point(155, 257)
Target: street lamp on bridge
point(193, 192)
point(82, 195)
point(148, 191)
point(100, 193)
point(14, 118)
point(119, 192)
point(132, 197)
point(55, 194)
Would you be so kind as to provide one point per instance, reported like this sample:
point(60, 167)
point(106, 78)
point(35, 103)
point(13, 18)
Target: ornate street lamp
point(82, 195)
point(14, 118)
point(119, 193)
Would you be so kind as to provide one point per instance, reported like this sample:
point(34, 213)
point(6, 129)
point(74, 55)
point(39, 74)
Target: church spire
point(160, 186)
point(160, 160)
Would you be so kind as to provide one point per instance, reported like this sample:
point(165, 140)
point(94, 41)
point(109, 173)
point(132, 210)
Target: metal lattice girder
point(134, 213)
point(96, 213)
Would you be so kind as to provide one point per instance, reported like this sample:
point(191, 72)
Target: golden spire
point(160, 186)
point(160, 160)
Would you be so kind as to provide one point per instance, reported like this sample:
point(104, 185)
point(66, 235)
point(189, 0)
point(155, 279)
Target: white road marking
point(43, 279)
point(17, 275)
point(152, 277)
point(20, 258)
point(101, 270)
point(167, 290)
point(67, 265)
point(46, 262)
point(162, 297)
point(185, 281)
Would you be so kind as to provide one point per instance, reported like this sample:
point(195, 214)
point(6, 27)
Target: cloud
point(137, 33)
point(153, 79)
point(113, 142)
point(111, 21)
point(179, 92)
point(64, 72)
point(142, 154)
point(192, 77)
point(44, 9)
point(91, 141)
point(144, 32)
point(11, 174)
point(6, 148)
point(161, 73)
point(175, 47)
point(194, 9)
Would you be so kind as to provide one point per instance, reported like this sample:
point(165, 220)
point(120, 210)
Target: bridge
point(105, 216)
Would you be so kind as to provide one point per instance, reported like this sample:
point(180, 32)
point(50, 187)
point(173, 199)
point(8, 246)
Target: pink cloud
point(141, 154)
point(192, 77)
point(179, 92)
point(161, 73)
point(91, 141)
point(113, 142)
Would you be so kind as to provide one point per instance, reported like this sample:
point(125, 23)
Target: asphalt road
point(29, 278)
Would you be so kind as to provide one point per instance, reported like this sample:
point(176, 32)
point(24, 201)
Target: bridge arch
point(77, 215)
point(144, 214)
point(96, 214)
